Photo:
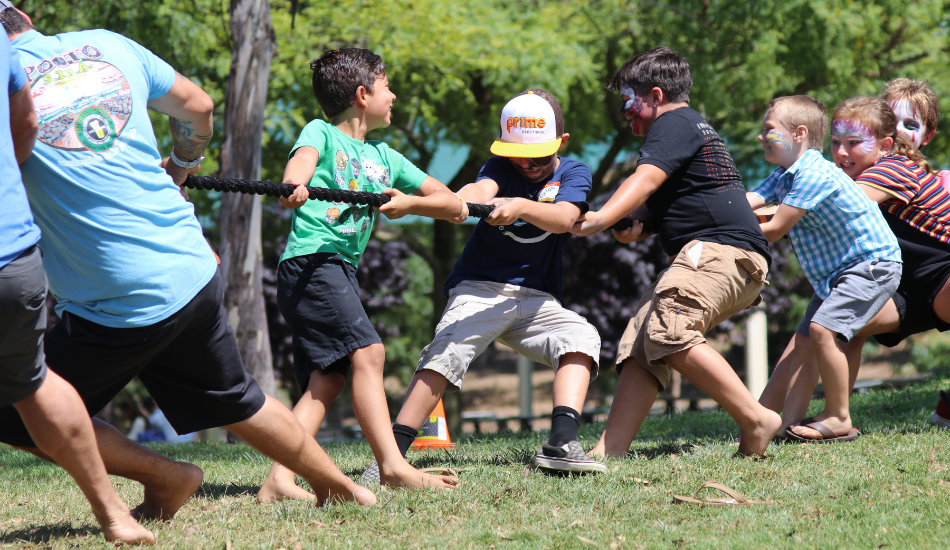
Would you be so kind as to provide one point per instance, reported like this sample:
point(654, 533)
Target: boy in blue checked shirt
point(845, 248)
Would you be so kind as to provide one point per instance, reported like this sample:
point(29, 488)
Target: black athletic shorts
point(22, 323)
point(189, 363)
point(926, 270)
point(320, 299)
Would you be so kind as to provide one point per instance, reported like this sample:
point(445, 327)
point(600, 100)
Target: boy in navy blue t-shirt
point(507, 284)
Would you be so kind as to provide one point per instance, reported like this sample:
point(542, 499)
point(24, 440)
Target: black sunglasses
point(541, 162)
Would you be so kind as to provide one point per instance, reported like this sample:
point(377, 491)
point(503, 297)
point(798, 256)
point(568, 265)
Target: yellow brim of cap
point(525, 150)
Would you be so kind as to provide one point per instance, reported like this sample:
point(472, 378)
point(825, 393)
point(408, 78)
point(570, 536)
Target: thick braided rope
point(624, 223)
point(271, 189)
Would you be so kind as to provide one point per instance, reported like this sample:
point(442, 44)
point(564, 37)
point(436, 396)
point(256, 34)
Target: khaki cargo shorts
point(531, 322)
point(705, 284)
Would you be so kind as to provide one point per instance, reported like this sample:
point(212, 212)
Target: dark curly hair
point(338, 73)
point(660, 68)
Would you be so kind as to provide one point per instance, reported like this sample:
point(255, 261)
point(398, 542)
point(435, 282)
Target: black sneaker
point(569, 457)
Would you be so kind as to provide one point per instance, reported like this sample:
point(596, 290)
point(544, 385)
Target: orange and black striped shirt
point(916, 196)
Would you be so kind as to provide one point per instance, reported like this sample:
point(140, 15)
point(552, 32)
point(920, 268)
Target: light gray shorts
point(22, 324)
point(857, 295)
point(531, 322)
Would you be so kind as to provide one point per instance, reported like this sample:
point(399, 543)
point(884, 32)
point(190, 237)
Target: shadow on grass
point(663, 449)
point(47, 533)
point(521, 454)
point(15, 458)
point(215, 491)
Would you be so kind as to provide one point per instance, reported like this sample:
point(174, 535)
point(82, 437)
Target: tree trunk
point(241, 255)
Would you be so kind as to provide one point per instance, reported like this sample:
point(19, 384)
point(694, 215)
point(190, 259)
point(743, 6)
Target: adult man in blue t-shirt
point(507, 284)
point(136, 283)
point(49, 407)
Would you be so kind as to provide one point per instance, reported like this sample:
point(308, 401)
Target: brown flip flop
point(827, 436)
point(735, 498)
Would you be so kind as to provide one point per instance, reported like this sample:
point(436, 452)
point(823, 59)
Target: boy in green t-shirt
point(317, 292)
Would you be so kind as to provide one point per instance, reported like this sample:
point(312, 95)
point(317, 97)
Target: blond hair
point(877, 115)
point(920, 96)
point(801, 110)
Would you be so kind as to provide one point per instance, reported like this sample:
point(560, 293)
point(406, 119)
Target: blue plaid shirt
point(842, 227)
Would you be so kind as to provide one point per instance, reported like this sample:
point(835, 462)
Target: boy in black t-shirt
point(687, 182)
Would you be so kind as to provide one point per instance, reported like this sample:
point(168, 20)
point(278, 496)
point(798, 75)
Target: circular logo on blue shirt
point(82, 106)
point(95, 129)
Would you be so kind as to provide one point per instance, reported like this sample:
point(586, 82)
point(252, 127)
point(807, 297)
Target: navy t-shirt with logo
point(520, 253)
point(703, 198)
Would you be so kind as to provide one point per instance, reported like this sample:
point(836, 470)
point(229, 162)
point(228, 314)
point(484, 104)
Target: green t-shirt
point(345, 163)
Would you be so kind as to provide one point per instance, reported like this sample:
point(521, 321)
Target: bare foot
point(407, 476)
point(120, 526)
point(840, 426)
point(363, 496)
point(164, 498)
point(354, 493)
point(616, 449)
point(280, 485)
point(599, 450)
point(756, 438)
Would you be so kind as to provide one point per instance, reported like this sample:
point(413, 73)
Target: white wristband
point(186, 164)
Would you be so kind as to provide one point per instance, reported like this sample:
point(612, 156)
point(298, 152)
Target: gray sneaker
point(371, 475)
point(569, 457)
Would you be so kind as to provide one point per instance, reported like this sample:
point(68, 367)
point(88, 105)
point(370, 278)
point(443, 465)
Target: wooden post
point(525, 391)
point(756, 353)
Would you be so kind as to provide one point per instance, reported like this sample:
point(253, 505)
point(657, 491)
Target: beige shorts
point(705, 284)
point(531, 322)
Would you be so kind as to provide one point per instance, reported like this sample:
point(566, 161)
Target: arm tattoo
point(184, 138)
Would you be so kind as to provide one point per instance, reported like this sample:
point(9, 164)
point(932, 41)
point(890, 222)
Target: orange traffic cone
point(435, 431)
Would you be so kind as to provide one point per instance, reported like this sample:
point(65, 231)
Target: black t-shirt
point(925, 259)
point(704, 197)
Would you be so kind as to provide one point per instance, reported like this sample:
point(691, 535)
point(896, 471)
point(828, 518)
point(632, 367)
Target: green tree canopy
point(453, 65)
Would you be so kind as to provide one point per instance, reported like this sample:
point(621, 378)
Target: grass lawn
point(890, 489)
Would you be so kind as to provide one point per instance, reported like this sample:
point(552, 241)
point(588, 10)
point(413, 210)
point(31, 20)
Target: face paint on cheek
point(849, 129)
point(906, 113)
point(634, 105)
point(635, 126)
point(774, 137)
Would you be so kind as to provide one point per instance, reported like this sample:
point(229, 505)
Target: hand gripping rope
point(271, 189)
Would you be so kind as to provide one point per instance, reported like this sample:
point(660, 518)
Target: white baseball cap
point(528, 128)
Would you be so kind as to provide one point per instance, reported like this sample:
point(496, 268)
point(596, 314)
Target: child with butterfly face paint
point(917, 209)
point(842, 242)
point(688, 182)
